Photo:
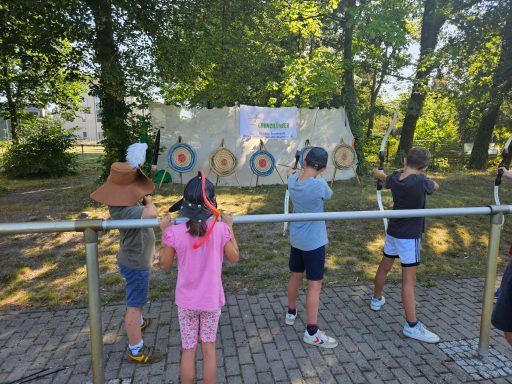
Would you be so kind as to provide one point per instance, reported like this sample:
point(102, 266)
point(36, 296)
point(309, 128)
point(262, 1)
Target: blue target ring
point(262, 163)
point(181, 157)
point(303, 153)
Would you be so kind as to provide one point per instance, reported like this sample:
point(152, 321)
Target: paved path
point(254, 345)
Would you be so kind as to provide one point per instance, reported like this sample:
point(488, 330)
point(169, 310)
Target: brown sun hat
point(124, 186)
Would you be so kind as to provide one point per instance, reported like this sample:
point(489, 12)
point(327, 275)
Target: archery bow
point(156, 152)
point(506, 157)
point(287, 195)
point(381, 165)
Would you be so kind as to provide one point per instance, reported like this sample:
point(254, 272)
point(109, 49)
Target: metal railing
point(90, 229)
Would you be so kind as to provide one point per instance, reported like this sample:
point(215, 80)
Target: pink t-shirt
point(199, 285)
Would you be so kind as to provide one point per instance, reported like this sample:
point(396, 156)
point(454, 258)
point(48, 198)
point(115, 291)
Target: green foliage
point(42, 151)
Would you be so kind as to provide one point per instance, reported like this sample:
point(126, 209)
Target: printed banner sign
point(268, 123)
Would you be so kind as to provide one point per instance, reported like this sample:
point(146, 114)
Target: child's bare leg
point(313, 301)
point(132, 325)
point(380, 277)
point(408, 283)
point(293, 289)
point(188, 365)
point(209, 363)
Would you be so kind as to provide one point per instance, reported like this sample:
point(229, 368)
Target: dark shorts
point(136, 285)
point(310, 261)
point(502, 314)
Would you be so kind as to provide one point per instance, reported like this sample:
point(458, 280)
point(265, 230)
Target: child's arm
point(166, 254)
point(149, 211)
point(506, 172)
point(231, 250)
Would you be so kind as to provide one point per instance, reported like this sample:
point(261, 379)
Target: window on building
point(84, 134)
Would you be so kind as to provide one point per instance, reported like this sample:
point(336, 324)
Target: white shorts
point(408, 250)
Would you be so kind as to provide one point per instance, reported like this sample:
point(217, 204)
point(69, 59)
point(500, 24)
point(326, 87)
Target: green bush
point(42, 150)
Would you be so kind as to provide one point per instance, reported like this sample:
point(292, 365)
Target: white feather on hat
point(136, 154)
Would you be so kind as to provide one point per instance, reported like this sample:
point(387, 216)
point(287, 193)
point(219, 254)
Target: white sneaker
point(320, 339)
point(376, 304)
point(290, 319)
point(420, 332)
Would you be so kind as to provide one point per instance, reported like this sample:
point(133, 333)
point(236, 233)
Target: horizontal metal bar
point(71, 226)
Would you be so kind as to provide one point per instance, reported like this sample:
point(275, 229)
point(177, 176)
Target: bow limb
point(287, 195)
point(381, 164)
point(286, 209)
point(506, 157)
point(156, 152)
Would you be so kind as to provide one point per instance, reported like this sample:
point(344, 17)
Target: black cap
point(192, 204)
point(317, 158)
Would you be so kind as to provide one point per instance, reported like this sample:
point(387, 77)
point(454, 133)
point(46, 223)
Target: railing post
point(93, 286)
point(490, 283)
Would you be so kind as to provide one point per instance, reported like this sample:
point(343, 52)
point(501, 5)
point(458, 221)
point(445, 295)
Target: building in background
point(88, 123)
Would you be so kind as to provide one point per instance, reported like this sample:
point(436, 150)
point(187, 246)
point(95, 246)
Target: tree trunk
point(12, 110)
point(501, 85)
point(348, 93)
point(430, 28)
point(111, 88)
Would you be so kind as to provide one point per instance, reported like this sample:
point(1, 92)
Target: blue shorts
point(136, 285)
point(310, 261)
point(502, 314)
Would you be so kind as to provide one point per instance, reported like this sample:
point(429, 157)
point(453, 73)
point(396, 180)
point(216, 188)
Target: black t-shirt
point(408, 193)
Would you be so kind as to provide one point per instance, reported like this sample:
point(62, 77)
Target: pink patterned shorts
point(197, 325)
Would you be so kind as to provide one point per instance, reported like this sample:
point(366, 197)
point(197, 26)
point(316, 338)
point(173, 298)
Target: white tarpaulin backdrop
point(203, 130)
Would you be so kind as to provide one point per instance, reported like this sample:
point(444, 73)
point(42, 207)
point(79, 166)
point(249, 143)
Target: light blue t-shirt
point(308, 196)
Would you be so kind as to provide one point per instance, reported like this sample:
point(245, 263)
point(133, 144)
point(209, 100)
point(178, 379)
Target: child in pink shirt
point(199, 245)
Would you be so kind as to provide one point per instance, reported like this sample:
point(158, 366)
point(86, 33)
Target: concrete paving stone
point(265, 378)
point(232, 366)
point(297, 347)
point(234, 380)
point(249, 374)
point(260, 362)
point(288, 359)
point(343, 379)
point(244, 355)
point(354, 373)
point(306, 367)
point(381, 370)
point(240, 338)
point(265, 335)
point(255, 345)
point(278, 370)
point(295, 376)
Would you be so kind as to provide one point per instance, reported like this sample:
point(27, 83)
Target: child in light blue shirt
point(308, 240)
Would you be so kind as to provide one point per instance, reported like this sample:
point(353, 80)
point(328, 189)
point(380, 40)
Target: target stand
point(344, 157)
point(262, 164)
point(223, 163)
point(181, 158)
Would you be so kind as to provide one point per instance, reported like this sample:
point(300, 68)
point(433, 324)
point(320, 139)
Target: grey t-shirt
point(308, 196)
point(137, 246)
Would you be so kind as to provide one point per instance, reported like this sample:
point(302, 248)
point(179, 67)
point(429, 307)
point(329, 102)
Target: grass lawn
point(49, 269)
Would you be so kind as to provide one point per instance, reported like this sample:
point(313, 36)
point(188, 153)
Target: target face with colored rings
point(343, 156)
point(181, 157)
point(223, 162)
point(262, 163)
point(303, 153)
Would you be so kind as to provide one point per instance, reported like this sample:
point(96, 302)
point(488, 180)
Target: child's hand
point(227, 218)
point(164, 222)
point(378, 173)
point(290, 171)
point(505, 172)
point(147, 200)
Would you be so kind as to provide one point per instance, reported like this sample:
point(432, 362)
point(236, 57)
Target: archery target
point(262, 163)
point(223, 162)
point(181, 157)
point(343, 156)
point(303, 153)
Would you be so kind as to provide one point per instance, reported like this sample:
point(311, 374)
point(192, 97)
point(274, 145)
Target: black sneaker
point(146, 355)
